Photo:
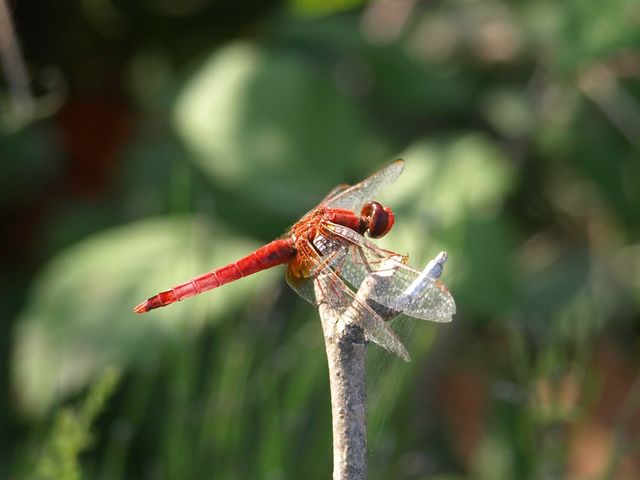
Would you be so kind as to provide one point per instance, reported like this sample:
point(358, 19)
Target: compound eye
point(379, 219)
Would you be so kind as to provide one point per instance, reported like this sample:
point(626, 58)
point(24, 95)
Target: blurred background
point(145, 142)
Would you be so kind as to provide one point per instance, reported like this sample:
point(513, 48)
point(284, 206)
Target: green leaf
point(314, 8)
point(79, 316)
point(450, 197)
point(269, 124)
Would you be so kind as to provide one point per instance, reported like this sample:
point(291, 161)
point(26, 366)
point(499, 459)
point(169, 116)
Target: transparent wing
point(361, 257)
point(335, 191)
point(354, 197)
point(310, 263)
point(340, 297)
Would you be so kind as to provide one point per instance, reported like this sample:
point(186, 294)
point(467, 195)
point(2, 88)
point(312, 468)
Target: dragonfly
point(333, 242)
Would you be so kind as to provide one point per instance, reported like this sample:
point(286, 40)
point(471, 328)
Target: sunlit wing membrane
point(353, 198)
point(335, 191)
point(302, 286)
point(354, 263)
point(340, 297)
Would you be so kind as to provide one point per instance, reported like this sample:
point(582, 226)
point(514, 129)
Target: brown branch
point(344, 339)
point(346, 355)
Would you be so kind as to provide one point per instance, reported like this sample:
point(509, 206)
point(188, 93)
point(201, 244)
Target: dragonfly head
point(377, 219)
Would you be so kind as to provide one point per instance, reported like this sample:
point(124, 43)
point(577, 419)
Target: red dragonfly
point(329, 242)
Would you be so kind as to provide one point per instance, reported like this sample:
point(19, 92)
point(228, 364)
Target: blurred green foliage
point(71, 433)
point(192, 132)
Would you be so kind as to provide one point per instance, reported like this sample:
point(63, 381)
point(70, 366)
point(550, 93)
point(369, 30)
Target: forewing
point(354, 197)
point(340, 298)
point(362, 257)
point(334, 192)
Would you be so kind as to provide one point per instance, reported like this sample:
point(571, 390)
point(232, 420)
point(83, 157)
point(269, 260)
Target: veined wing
point(313, 264)
point(362, 257)
point(334, 192)
point(354, 197)
point(340, 298)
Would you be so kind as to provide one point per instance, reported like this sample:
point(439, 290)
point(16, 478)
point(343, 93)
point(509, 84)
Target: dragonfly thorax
point(373, 219)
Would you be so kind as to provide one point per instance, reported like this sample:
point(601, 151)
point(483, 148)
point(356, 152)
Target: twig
point(346, 355)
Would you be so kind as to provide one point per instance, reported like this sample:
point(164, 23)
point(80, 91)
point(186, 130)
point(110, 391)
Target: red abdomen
point(275, 253)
